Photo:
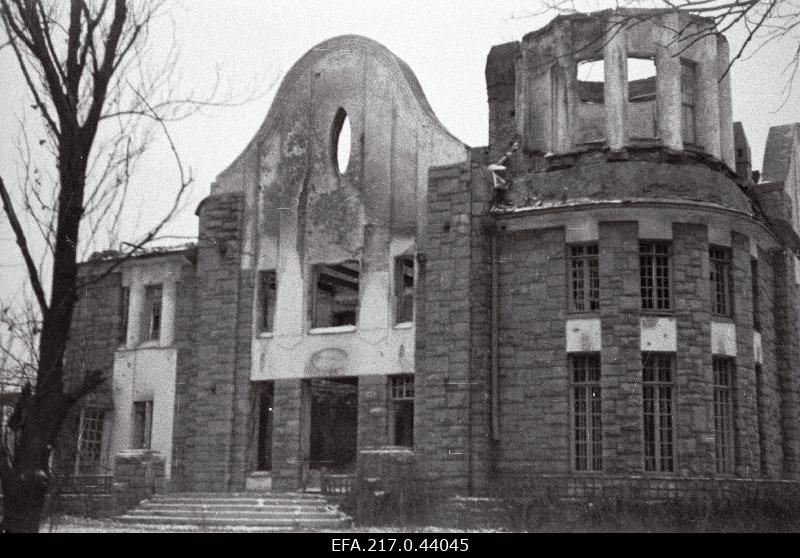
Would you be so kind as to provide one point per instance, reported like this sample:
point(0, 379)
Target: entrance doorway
point(264, 445)
point(333, 428)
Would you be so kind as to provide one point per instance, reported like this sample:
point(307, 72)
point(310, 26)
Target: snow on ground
point(71, 524)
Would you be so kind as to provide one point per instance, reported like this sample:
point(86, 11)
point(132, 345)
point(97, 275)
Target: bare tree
point(101, 95)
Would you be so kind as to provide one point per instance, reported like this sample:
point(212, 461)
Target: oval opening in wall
point(340, 141)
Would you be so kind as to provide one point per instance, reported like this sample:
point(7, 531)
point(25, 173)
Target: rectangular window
point(756, 295)
point(584, 278)
point(334, 300)
point(401, 410)
point(152, 308)
point(266, 300)
point(404, 289)
point(688, 81)
point(721, 276)
point(723, 414)
point(656, 275)
point(586, 412)
point(657, 411)
point(142, 424)
point(122, 330)
point(90, 442)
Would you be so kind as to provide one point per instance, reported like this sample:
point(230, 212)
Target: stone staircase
point(293, 511)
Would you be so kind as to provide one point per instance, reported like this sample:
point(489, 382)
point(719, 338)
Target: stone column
point(168, 313)
point(707, 97)
point(615, 56)
point(725, 104)
point(135, 307)
point(290, 293)
point(668, 83)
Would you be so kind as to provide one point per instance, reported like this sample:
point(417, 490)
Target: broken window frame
point(142, 416)
point(655, 276)
point(724, 369)
point(583, 277)
point(153, 305)
point(317, 271)
point(267, 297)
point(91, 441)
point(401, 403)
point(404, 293)
point(123, 311)
point(658, 413)
point(721, 281)
point(587, 422)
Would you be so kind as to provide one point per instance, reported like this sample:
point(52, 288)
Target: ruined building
point(603, 294)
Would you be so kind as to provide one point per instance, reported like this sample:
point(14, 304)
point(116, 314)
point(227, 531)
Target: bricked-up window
point(584, 278)
point(152, 307)
point(723, 413)
point(401, 410)
point(404, 289)
point(90, 441)
point(122, 330)
point(756, 296)
point(142, 424)
point(586, 412)
point(721, 276)
point(334, 300)
point(656, 275)
point(688, 93)
point(266, 300)
point(657, 411)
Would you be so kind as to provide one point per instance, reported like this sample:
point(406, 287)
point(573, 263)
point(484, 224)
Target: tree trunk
point(23, 502)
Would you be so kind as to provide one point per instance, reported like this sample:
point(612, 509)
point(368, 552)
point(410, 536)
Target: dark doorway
point(265, 402)
point(334, 424)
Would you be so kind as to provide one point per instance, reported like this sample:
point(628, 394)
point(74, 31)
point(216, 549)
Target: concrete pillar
point(707, 99)
point(726, 142)
point(168, 313)
point(290, 283)
point(615, 55)
point(373, 315)
point(135, 307)
point(668, 83)
point(561, 81)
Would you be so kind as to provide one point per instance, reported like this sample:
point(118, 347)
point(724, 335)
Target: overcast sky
point(443, 41)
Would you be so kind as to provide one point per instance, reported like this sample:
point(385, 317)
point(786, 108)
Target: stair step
point(237, 507)
point(262, 511)
point(234, 514)
point(299, 522)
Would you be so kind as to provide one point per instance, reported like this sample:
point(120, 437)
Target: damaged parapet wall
point(541, 366)
point(687, 103)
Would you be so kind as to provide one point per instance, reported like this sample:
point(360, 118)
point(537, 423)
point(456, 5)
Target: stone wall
point(214, 385)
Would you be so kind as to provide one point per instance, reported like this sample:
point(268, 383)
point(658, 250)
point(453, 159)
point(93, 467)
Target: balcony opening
point(591, 106)
point(334, 300)
point(642, 106)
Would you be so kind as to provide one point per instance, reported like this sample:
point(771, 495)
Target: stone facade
point(486, 366)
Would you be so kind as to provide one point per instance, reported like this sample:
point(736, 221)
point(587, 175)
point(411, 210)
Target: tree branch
point(33, 273)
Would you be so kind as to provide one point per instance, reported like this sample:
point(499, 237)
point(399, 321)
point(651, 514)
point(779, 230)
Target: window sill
point(723, 319)
point(404, 325)
point(331, 330)
point(265, 335)
point(575, 314)
point(657, 313)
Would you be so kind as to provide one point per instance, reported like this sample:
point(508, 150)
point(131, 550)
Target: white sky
point(444, 42)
